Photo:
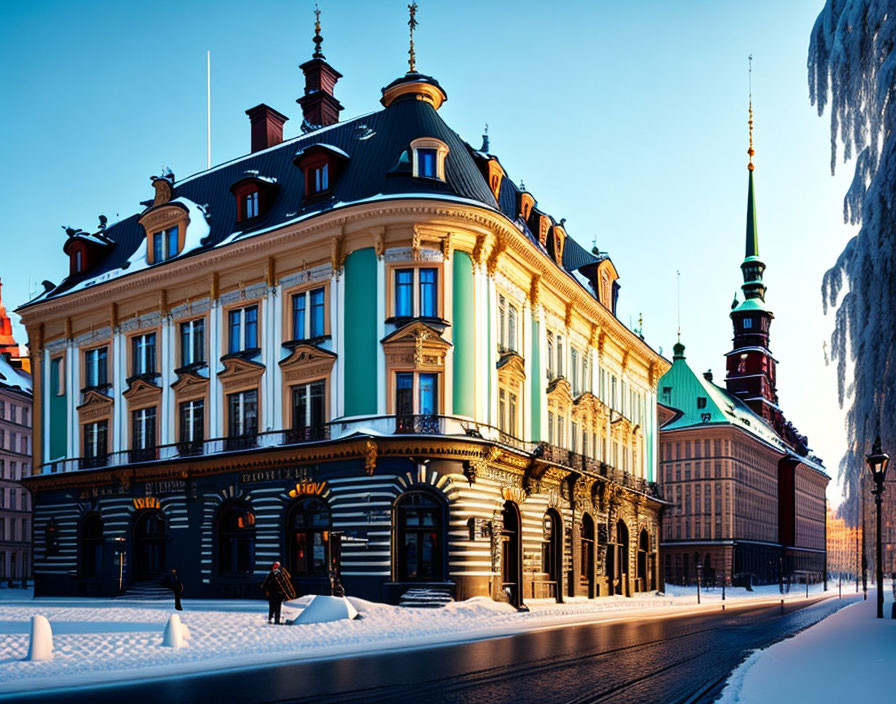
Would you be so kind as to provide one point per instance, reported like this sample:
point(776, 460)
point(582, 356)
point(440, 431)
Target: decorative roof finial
point(412, 24)
point(678, 301)
point(750, 121)
point(318, 39)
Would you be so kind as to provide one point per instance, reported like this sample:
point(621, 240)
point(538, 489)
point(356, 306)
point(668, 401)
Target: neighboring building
point(843, 544)
point(749, 498)
point(15, 459)
point(367, 331)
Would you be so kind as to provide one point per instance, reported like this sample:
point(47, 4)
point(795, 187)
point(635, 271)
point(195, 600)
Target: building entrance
point(149, 545)
point(511, 578)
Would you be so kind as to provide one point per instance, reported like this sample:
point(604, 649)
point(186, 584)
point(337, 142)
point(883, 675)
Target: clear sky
point(629, 119)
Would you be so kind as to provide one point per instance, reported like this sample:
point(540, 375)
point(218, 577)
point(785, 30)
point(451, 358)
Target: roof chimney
point(319, 107)
point(708, 375)
point(267, 126)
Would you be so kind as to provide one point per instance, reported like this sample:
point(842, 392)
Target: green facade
point(463, 327)
point(58, 419)
point(536, 382)
point(359, 328)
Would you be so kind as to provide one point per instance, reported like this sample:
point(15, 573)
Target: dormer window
point(78, 261)
point(429, 158)
point(321, 164)
point(165, 244)
point(254, 195)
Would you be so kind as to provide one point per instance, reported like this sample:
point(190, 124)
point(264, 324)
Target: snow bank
point(324, 609)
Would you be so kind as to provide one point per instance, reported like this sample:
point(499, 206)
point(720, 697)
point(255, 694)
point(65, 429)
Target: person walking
point(172, 582)
point(277, 587)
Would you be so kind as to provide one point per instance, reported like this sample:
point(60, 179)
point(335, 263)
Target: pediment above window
point(560, 390)
point(96, 405)
point(239, 372)
point(512, 366)
point(416, 346)
point(307, 362)
point(189, 384)
point(142, 393)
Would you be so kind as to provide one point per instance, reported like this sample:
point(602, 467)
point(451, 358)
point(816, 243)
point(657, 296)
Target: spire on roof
point(318, 39)
point(752, 267)
point(412, 24)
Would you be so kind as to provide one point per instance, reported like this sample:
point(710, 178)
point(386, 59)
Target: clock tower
point(750, 365)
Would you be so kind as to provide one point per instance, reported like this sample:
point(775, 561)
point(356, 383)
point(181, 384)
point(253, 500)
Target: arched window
point(420, 540)
point(91, 545)
point(236, 539)
point(308, 537)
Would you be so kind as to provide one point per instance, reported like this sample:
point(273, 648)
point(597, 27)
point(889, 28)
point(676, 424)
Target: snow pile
point(175, 633)
point(849, 656)
point(324, 609)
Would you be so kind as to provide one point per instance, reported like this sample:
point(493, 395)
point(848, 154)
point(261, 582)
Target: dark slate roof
point(378, 167)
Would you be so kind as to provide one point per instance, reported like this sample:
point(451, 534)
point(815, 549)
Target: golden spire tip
point(412, 24)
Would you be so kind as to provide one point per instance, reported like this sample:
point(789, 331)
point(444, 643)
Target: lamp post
point(699, 573)
point(877, 463)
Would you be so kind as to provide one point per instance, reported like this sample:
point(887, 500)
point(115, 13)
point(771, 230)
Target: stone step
point(426, 598)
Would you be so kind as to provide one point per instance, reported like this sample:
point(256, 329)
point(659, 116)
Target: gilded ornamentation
point(369, 451)
point(337, 253)
point(535, 290)
point(479, 249)
point(416, 240)
point(379, 242)
point(567, 318)
point(447, 247)
point(497, 250)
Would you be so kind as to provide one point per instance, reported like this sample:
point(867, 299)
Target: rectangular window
point(192, 424)
point(551, 428)
point(57, 376)
point(308, 314)
point(748, 323)
point(511, 341)
point(416, 394)
point(426, 163)
point(701, 402)
point(320, 178)
point(308, 411)
point(559, 355)
point(143, 433)
point(95, 367)
point(429, 293)
point(428, 394)
point(243, 414)
point(250, 205)
point(165, 244)
point(192, 342)
point(550, 346)
point(404, 293)
point(243, 329)
point(95, 437)
point(144, 354)
point(574, 369)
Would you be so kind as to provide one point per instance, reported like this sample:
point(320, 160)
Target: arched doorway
point(623, 567)
point(552, 551)
point(511, 568)
point(588, 555)
point(149, 545)
point(420, 538)
point(643, 549)
point(91, 545)
point(307, 539)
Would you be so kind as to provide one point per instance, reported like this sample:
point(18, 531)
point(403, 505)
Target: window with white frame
point(416, 292)
point(309, 314)
point(165, 244)
point(192, 421)
point(143, 348)
point(416, 394)
point(508, 411)
point(95, 439)
point(250, 205)
point(242, 329)
point(560, 357)
point(95, 367)
point(429, 158)
point(508, 325)
point(242, 414)
point(575, 379)
point(550, 355)
point(192, 342)
point(143, 429)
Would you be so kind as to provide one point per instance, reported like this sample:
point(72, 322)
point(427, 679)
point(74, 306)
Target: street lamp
point(699, 574)
point(877, 463)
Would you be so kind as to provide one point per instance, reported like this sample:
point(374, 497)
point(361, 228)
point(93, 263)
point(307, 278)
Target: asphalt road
point(672, 659)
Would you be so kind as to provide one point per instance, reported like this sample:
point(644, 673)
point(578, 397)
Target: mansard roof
point(377, 168)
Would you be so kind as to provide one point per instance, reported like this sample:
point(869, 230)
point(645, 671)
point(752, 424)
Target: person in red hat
point(277, 587)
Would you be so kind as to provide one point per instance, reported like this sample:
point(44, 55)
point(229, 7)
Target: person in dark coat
point(277, 587)
point(172, 582)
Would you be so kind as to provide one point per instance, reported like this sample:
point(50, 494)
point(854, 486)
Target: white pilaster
point(215, 410)
point(278, 422)
point(337, 326)
point(73, 398)
point(166, 360)
point(381, 380)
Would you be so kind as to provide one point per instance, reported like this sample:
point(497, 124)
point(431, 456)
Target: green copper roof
point(681, 389)
point(752, 230)
point(751, 304)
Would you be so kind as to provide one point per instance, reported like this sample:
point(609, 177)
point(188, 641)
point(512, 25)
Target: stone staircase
point(147, 591)
point(426, 598)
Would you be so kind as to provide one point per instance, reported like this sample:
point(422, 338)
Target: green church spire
point(752, 267)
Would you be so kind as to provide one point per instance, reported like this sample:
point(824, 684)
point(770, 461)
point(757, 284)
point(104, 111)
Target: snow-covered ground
point(848, 657)
point(99, 640)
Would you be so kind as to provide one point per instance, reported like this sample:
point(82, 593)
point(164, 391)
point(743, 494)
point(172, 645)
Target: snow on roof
point(14, 378)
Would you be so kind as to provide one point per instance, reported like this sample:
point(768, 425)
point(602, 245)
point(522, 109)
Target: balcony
point(374, 426)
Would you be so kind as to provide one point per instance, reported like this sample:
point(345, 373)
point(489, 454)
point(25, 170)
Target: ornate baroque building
point(15, 458)
point(749, 498)
point(363, 349)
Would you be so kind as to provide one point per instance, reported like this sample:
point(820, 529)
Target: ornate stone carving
point(307, 362)
point(370, 451)
point(535, 290)
point(447, 247)
point(497, 250)
point(416, 345)
point(379, 242)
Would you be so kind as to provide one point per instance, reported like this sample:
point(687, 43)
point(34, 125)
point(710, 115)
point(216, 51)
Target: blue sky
point(628, 119)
